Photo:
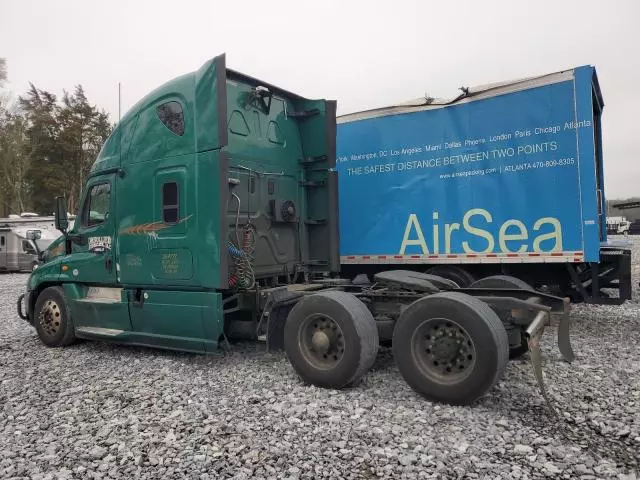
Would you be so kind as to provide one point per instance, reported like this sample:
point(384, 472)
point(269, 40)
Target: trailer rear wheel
point(52, 319)
point(331, 339)
point(452, 272)
point(519, 347)
point(450, 347)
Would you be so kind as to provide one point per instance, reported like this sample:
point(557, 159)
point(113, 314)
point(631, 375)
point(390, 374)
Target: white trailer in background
point(22, 239)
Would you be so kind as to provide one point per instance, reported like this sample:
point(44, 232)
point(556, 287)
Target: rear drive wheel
point(518, 341)
point(454, 273)
point(52, 319)
point(450, 347)
point(331, 339)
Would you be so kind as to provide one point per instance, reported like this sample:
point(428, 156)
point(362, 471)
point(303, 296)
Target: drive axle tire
point(52, 319)
point(501, 281)
point(506, 281)
point(450, 347)
point(459, 275)
point(331, 339)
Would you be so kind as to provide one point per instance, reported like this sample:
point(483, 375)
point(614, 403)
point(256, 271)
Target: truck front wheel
point(331, 339)
point(450, 347)
point(52, 319)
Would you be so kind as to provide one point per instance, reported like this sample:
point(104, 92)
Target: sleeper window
point(170, 203)
point(171, 115)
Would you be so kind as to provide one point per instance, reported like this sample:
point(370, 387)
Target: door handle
point(108, 263)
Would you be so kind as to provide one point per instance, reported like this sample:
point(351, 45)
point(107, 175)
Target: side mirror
point(62, 220)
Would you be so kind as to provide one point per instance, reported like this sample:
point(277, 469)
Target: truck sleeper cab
point(211, 213)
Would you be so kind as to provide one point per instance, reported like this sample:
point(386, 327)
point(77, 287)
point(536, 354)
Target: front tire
point(331, 339)
point(52, 319)
point(450, 347)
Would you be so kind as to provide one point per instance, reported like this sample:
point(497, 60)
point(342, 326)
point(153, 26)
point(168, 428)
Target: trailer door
point(597, 137)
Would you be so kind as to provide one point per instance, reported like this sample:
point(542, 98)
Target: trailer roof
point(471, 94)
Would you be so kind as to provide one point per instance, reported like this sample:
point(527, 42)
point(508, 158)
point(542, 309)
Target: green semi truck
point(211, 213)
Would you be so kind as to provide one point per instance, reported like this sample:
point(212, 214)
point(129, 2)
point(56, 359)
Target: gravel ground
point(96, 410)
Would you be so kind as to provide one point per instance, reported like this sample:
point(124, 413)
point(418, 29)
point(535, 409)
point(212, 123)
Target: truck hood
point(54, 250)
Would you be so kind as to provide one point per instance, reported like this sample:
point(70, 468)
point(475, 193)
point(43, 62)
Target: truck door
point(97, 300)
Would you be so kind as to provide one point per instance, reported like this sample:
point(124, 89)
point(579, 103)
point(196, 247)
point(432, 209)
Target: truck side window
point(96, 206)
point(170, 114)
point(170, 203)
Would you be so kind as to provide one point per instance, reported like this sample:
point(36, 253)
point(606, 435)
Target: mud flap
point(564, 342)
point(534, 334)
point(22, 315)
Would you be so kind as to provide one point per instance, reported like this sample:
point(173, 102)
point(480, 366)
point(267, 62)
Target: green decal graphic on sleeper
point(170, 263)
point(133, 260)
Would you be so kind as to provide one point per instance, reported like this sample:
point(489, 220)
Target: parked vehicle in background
point(24, 240)
point(618, 226)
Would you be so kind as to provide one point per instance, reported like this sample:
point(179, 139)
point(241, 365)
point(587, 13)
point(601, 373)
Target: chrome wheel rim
point(50, 318)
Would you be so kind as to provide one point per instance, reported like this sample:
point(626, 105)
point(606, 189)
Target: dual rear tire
point(518, 346)
point(459, 275)
point(449, 347)
point(331, 339)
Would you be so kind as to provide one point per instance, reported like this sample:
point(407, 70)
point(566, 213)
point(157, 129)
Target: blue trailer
point(504, 179)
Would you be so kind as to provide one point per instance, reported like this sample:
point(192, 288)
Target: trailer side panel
point(492, 180)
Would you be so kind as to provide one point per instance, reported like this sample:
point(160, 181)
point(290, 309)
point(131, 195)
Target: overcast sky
point(363, 53)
